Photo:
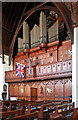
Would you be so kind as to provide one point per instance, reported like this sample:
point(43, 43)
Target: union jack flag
point(20, 70)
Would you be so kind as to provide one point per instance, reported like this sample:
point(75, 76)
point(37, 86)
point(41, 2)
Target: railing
point(54, 69)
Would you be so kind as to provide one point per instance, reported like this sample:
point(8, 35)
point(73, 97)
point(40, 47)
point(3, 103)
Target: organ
point(51, 65)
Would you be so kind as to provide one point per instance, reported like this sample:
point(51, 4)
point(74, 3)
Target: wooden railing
point(54, 70)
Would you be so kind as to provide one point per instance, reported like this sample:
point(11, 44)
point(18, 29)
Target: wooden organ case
point(51, 73)
point(49, 63)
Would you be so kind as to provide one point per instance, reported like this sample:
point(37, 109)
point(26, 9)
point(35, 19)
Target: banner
point(20, 70)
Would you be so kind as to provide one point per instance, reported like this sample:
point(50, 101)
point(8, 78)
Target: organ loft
point(48, 63)
point(38, 60)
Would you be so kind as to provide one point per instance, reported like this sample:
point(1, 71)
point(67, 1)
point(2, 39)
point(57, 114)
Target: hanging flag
point(30, 66)
point(20, 70)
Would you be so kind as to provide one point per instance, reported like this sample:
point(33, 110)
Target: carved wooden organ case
point(51, 72)
point(48, 65)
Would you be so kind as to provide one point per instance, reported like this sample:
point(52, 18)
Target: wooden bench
point(4, 115)
point(64, 107)
point(64, 110)
point(12, 104)
point(30, 115)
point(47, 108)
point(3, 109)
point(56, 117)
point(66, 115)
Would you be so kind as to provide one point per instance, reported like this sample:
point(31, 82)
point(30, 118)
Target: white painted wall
point(1, 78)
point(75, 68)
point(3, 68)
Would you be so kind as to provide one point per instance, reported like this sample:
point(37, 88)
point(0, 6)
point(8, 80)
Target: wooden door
point(33, 94)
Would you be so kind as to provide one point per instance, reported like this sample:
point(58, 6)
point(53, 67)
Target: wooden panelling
point(62, 51)
point(41, 90)
point(64, 69)
point(68, 88)
point(59, 67)
point(53, 54)
point(50, 89)
point(69, 65)
point(52, 61)
point(64, 66)
point(21, 89)
point(16, 90)
point(58, 88)
point(51, 72)
point(27, 90)
point(11, 89)
point(33, 94)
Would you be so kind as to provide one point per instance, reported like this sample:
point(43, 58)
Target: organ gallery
point(48, 63)
point(38, 60)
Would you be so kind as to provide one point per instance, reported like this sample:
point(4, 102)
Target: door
point(33, 94)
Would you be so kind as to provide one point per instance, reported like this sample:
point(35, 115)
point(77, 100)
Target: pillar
point(75, 68)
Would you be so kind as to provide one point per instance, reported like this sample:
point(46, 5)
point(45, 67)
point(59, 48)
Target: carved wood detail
point(46, 89)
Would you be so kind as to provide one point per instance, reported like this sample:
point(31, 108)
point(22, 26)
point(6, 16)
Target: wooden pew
point(56, 117)
point(3, 109)
point(44, 113)
point(5, 104)
point(30, 115)
point(74, 115)
point(64, 107)
point(26, 103)
point(4, 115)
point(64, 110)
point(11, 104)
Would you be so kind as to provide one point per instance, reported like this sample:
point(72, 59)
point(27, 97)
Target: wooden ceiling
point(15, 13)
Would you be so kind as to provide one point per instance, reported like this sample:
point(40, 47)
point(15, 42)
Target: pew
point(64, 110)
point(56, 117)
point(73, 115)
point(3, 109)
point(47, 108)
point(12, 104)
point(66, 115)
point(30, 115)
point(6, 114)
point(38, 105)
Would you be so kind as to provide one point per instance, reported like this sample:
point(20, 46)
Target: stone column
point(43, 32)
point(75, 68)
point(25, 36)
